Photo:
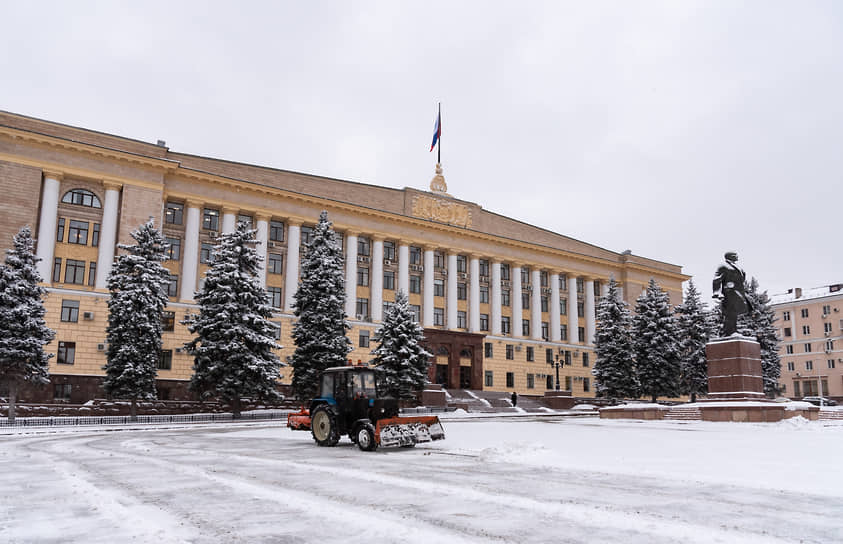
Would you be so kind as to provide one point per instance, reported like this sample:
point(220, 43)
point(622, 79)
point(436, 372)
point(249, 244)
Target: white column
point(262, 247)
point(474, 294)
point(108, 234)
point(555, 310)
point(47, 225)
point(291, 272)
point(427, 289)
point(536, 305)
point(404, 267)
point(376, 280)
point(496, 298)
point(452, 291)
point(573, 321)
point(589, 311)
point(229, 220)
point(515, 300)
point(190, 255)
point(351, 274)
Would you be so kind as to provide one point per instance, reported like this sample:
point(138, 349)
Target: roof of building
point(799, 294)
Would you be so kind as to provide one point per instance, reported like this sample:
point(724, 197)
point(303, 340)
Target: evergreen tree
point(320, 331)
point(399, 353)
point(137, 284)
point(758, 323)
point(23, 331)
point(614, 370)
point(655, 344)
point(232, 350)
point(694, 329)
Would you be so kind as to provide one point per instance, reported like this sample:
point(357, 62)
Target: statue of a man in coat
point(729, 288)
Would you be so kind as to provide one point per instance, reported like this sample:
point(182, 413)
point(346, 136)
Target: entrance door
point(465, 377)
point(442, 375)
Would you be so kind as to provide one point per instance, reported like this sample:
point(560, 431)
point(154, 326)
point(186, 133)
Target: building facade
point(499, 299)
point(811, 328)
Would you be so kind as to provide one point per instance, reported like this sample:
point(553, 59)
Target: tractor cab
point(353, 391)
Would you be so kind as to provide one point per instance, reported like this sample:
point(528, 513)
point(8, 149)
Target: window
point(567, 383)
point(78, 232)
point(439, 288)
point(363, 339)
point(276, 231)
point(57, 269)
point(439, 317)
point(362, 308)
point(484, 267)
point(525, 276)
point(598, 288)
point(809, 365)
point(829, 345)
point(484, 294)
point(174, 251)
point(211, 219)
point(580, 309)
point(461, 291)
point(827, 327)
point(505, 297)
point(563, 282)
point(581, 334)
point(92, 273)
point(543, 278)
point(206, 253)
point(525, 327)
point(505, 325)
point(545, 330)
point(586, 385)
point(826, 309)
point(585, 361)
point(804, 312)
point(306, 235)
point(531, 354)
point(796, 389)
point(363, 246)
point(580, 285)
point(787, 331)
point(389, 251)
point(830, 363)
point(81, 197)
point(484, 322)
point(415, 255)
point(275, 264)
point(563, 306)
point(363, 276)
point(61, 391)
point(461, 264)
point(548, 355)
point(531, 381)
point(544, 303)
point(242, 218)
point(785, 316)
point(168, 321)
point(510, 352)
point(274, 296)
point(415, 284)
point(416, 309)
point(70, 311)
point(389, 280)
point(789, 349)
point(806, 329)
point(95, 235)
point(489, 379)
point(488, 349)
point(438, 259)
point(67, 353)
point(525, 300)
point(60, 230)
point(510, 379)
point(165, 359)
point(173, 286)
point(791, 367)
point(808, 347)
point(504, 272)
point(174, 213)
point(563, 333)
point(74, 272)
point(461, 321)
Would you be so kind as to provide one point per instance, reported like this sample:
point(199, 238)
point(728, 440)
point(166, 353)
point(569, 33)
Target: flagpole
point(439, 149)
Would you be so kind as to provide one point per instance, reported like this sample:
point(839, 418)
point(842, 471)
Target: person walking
point(514, 399)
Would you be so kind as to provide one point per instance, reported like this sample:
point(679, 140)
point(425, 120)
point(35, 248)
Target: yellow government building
point(498, 298)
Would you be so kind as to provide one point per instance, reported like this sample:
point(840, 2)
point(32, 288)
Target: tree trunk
point(13, 391)
point(133, 411)
point(654, 398)
point(235, 408)
point(693, 397)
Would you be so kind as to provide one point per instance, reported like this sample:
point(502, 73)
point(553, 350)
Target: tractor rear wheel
point(366, 438)
point(324, 426)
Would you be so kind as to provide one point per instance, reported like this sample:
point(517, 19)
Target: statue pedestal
point(734, 369)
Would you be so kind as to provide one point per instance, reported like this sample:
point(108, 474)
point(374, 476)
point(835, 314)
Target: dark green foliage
point(694, 328)
point(655, 344)
point(614, 370)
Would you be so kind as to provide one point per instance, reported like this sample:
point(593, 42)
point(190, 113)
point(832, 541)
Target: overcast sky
point(675, 129)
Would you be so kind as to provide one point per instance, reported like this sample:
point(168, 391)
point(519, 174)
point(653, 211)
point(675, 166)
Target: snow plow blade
point(408, 431)
point(299, 421)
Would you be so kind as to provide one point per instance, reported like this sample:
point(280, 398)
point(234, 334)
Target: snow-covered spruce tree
point(758, 323)
point(23, 332)
point(655, 344)
point(137, 284)
point(320, 331)
point(399, 353)
point(614, 369)
point(232, 350)
point(693, 324)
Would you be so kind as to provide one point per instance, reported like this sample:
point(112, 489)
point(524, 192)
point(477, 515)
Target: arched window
point(81, 197)
point(465, 354)
point(442, 350)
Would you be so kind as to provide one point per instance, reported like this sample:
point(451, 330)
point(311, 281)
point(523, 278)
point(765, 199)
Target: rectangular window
point(563, 282)
point(363, 339)
point(808, 347)
point(796, 389)
point(510, 352)
point(60, 230)
point(242, 218)
point(461, 321)
point(363, 276)
point(505, 297)
point(92, 273)
point(581, 334)
point(415, 255)
point(173, 286)
point(531, 354)
point(809, 365)
point(78, 232)
point(585, 361)
point(525, 276)
point(174, 213)
point(525, 300)
point(206, 254)
point(439, 317)
point(543, 278)
point(563, 306)
point(95, 235)
point(484, 294)
point(74, 272)
point(586, 385)
point(804, 312)
point(580, 285)
point(168, 321)
point(789, 349)
point(787, 331)
point(489, 379)
point(791, 367)
point(827, 327)
point(531, 381)
point(563, 333)
point(785, 316)
point(389, 251)
point(545, 330)
point(165, 360)
point(829, 345)
point(525, 327)
point(488, 350)
point(416, 309)
point(826, 309)
point(439, 288)
point(274, 296)
point(275, 264)
point(276, 231)
point(363, 247)
point(461, 264)
point(510, 379)
point(389, 280)
point(598, 289)
point(461, 291)
point(362, 308)
point(544, 303)
point(580, 309)
point(211, 219)
point(484, 267)
point(505, 329)
point(70, 311)
point(57, 270)
point(504, 272)
point(415, 284)
point(567, 383)
point(61, 392)
point(306, 235)
point(67, 353)
point(174, 251)
point(438, 259)
point(806, 329)
point(484, 322)
point(548, 355)
point(830, 363)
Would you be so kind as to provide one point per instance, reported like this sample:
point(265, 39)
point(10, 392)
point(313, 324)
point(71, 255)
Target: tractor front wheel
point(366, 438)
point(323, 424)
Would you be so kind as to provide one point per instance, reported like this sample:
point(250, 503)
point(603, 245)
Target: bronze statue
point(728, 287)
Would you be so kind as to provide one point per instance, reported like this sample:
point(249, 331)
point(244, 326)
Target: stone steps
point(828, 415)
point(683, 413)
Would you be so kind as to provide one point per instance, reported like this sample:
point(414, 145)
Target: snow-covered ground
point(523, 479)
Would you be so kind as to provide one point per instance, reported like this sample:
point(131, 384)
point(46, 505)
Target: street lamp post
point(556, 364)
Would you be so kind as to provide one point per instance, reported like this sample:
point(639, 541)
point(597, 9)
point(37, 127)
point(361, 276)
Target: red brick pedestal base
point(734, 369)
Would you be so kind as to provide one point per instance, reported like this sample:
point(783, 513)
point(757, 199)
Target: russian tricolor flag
point(437, 130)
